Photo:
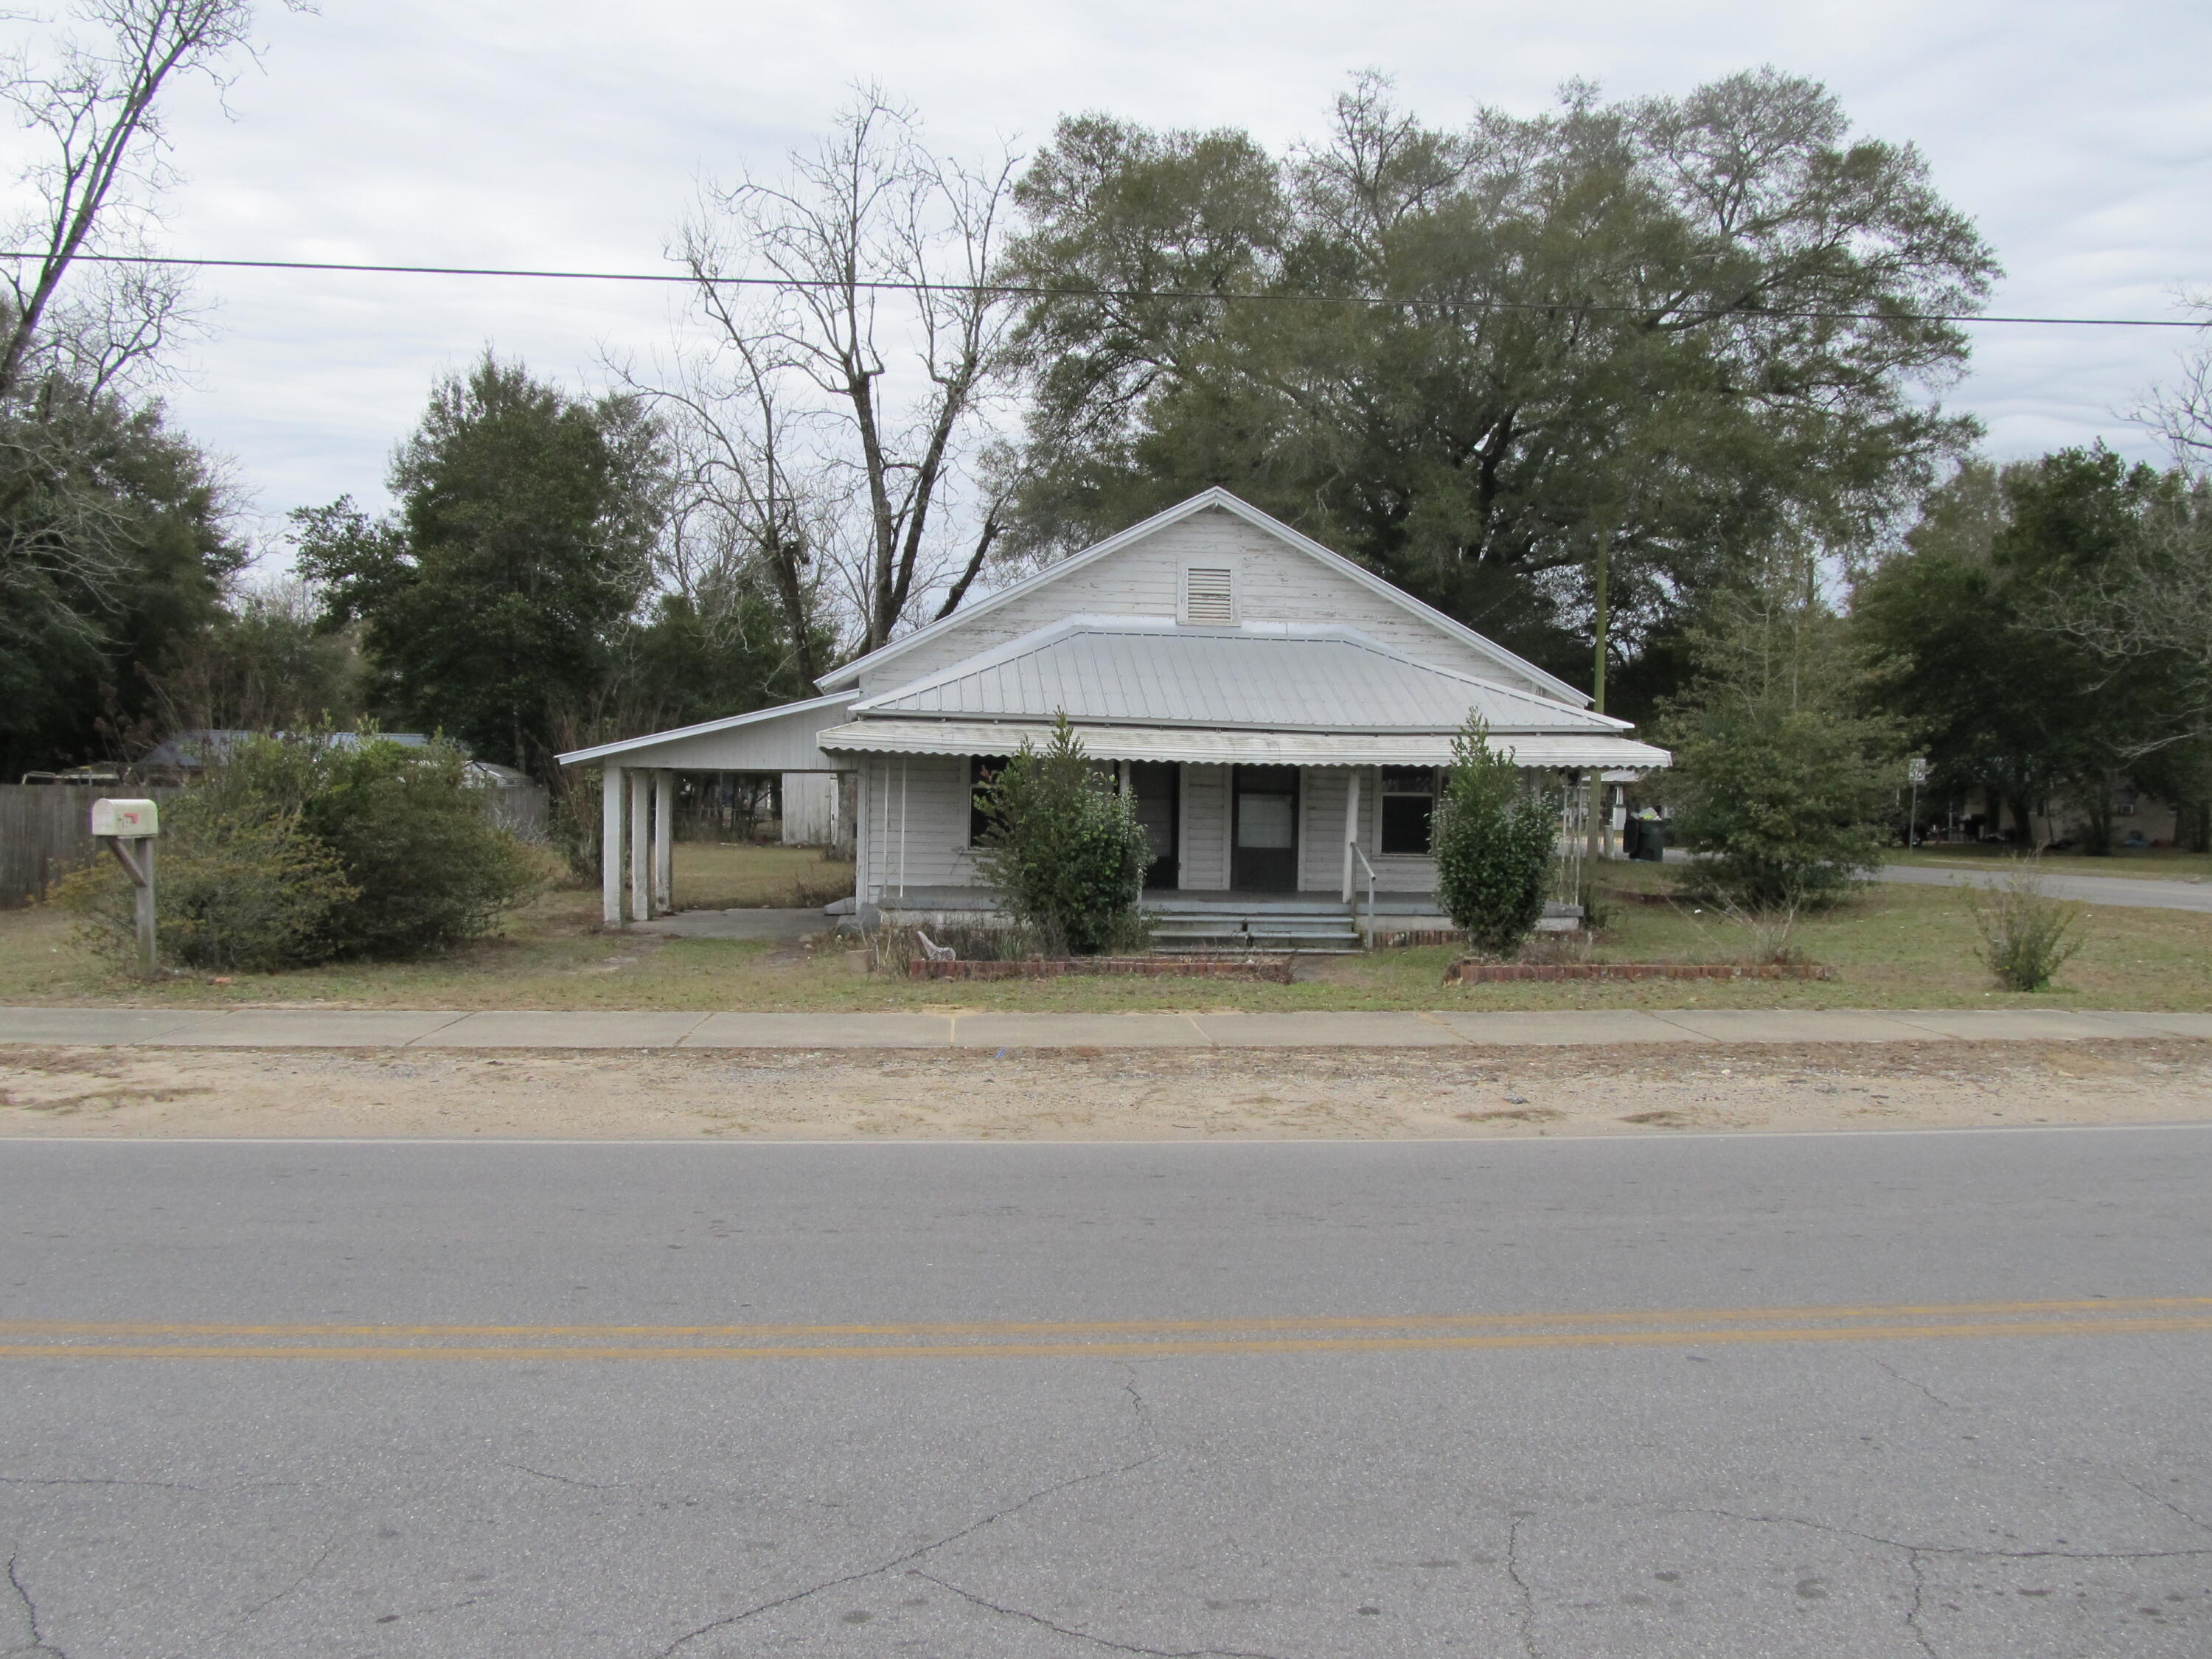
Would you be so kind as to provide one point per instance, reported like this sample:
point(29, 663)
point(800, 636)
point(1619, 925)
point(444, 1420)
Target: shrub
point(410, 833)
point(1495, 840)
point(251, 892)
point(1780, 778)
point(1064, 851)
point(2027, 935)
point(293, 851)
point(1782, 803)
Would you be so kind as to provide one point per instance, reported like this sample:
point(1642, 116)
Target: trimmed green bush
point(1064, 851)
point(1494, 840)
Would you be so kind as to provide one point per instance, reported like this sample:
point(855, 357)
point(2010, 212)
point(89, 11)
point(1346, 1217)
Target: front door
point(1154, 785)
point(1265, 846)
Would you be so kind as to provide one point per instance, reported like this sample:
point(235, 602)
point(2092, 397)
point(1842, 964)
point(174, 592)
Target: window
point(981, 768)
point(1409, 801)
point(1209, 595)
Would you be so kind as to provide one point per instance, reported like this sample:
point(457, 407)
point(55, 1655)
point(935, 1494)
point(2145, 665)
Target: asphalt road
point(2137, 892)
point(1913, 1395)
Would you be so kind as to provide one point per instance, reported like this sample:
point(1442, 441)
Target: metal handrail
point(1370, 869)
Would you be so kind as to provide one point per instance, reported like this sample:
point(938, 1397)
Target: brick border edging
point(1274, 970)
point(1468, 971)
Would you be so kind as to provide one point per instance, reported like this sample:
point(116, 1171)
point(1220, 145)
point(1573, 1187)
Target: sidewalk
point(280, 1028)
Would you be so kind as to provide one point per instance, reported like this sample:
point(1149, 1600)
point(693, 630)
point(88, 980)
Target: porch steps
point(1232, 930)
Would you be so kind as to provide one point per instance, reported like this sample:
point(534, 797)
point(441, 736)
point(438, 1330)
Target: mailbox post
point(128, 829)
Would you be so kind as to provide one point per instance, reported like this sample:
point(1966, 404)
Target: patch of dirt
point(1097, 1095)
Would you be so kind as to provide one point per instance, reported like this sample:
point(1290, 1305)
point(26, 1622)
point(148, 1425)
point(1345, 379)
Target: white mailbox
point(130, 819)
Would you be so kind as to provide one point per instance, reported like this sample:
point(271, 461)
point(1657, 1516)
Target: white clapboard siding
point(1274, 583)
point(933, 792)
point(1204, 859)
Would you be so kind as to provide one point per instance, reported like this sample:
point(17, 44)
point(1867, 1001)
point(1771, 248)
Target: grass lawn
point(1899, 947)
point(2162, 863)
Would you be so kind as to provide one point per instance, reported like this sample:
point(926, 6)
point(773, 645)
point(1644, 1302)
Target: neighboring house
point(1280, 714)
point(179, 757)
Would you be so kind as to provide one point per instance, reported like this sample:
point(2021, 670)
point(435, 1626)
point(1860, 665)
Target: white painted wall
point(1274, 583)
point(810, 805)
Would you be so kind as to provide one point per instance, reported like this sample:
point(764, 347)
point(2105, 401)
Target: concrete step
point(1234, 942)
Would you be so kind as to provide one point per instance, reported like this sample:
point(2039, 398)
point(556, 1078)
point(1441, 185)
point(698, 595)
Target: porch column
point(640, 843)
point(611, 846)
point(1350, 824)
point(664, 840)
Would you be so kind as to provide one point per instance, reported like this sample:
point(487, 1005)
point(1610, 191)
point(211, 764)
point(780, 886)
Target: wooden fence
point(45, 832)
point(45, 829)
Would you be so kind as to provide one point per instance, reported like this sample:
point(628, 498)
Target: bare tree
point(2180, 411)
point(94, 96)
point(2149, 607)
point(871, 349)
point(748, 485)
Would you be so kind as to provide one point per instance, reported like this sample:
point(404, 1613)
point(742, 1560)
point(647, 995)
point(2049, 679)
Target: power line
point(1032, 291)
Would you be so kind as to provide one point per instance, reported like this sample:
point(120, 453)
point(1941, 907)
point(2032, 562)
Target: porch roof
point(1202, 746)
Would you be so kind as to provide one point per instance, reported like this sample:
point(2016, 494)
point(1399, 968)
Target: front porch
point(1183, 920)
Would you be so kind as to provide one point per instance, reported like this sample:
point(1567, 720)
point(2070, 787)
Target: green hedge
point(293, 851)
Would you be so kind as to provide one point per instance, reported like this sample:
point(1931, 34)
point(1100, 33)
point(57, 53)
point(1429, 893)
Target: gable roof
point(1219, 498)
point(1283, 677)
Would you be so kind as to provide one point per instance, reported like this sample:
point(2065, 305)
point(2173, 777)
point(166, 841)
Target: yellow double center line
point(1141, 1339)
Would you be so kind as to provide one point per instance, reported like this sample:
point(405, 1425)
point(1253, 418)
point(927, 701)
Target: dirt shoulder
point(1081, 1095)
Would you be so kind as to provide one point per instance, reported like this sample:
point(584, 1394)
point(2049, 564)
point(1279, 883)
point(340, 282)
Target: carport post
point(640, 843)
point(610, 844)
point(664, 840)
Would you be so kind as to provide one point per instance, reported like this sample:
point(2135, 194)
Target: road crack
point(1919, 1597)
point(2197, 1521)
point(898, 1561)
point(89, 1480)
point(1956, 1549)
point(1914, 1382)
point(1083, 1635)
point(564, 1479)
point(1525, 1618)
point(329, 1548)
point(38, 1642)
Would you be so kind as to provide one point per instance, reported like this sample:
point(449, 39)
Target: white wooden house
point(1279, 714)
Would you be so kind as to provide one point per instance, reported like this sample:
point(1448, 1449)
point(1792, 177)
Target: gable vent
point(1209, 595)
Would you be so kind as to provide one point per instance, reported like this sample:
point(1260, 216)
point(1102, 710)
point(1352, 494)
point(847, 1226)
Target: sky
point(553, 134)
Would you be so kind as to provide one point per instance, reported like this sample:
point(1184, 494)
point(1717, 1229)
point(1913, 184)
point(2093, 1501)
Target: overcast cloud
point(558, 134)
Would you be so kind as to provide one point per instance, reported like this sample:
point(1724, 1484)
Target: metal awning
point(1199, 747)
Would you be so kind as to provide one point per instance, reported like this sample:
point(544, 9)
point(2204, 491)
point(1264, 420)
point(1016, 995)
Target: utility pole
point(1594, 835)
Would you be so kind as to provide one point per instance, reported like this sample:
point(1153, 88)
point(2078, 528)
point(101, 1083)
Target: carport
point(637, 799)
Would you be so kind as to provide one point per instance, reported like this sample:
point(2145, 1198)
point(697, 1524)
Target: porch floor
point(1181, 901)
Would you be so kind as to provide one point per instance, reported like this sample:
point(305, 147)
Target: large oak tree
point(1679, 328)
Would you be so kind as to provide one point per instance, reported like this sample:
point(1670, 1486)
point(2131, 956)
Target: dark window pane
point(1408, 780)
point(1405, 823)
point(982, 770)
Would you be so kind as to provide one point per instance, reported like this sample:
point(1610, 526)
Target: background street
point(1867, 1395)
